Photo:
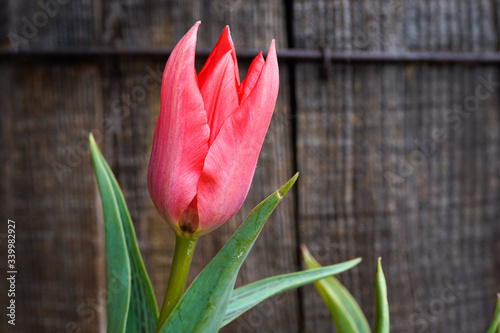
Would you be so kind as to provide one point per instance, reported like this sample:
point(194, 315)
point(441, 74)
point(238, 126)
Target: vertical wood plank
point(377, 182)
point(52, 195)
point(52, 24)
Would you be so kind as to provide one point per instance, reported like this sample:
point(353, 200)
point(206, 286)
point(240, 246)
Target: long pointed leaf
point(382, 323)
point(142, 310)
point(495, 325)
point(344, 309)
point(117, 261)
point(202, 307)
point(246, 297)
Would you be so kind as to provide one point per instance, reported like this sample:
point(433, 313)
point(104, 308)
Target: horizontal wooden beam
point(296, 55)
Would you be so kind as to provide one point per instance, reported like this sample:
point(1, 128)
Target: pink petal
point(231, 160)
point(252, 76)
point(224, 44)
point(181, 136)
point(220, 94)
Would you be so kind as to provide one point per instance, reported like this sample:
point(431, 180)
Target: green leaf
point(495, 326)
point(381, 304)
point(204, 304)
point(117, 262)
point(345, 312)
point(248, 296)
point(132, 306)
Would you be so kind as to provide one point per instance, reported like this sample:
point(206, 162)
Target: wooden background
point(392, 164)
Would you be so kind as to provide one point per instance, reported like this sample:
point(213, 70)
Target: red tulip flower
point(209, 134)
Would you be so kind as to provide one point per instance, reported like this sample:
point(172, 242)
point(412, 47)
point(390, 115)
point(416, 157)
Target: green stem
point(183, 253)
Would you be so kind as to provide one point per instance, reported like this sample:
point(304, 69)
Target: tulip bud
point(209, 134)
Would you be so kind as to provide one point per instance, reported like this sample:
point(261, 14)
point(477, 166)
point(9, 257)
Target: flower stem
point(183, 253)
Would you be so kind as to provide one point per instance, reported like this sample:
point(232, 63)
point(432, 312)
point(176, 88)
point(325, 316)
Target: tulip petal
point(231, 160)
point(224, 44)
point(181, 136)
point(220, 94)
point(252, 76)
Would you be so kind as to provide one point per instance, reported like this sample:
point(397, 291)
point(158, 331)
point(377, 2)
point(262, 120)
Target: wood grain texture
point(376, 177)
point(52, 24)
point(380, 180)
point(51, 195)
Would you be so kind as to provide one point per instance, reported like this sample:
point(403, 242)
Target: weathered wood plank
point(51, 24)
point(375, 184)
point(378, 182)
point(51, 194)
